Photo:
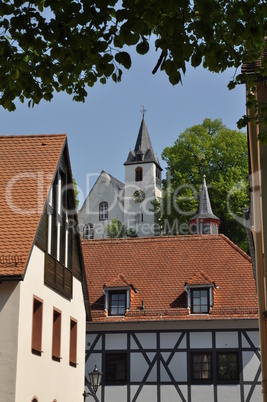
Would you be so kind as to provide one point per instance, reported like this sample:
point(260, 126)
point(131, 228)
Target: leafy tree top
point(51, 45)
point(221, 154)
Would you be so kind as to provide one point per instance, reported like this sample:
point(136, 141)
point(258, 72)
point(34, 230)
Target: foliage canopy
point(51, 45)
point(116, 229)
point(221, 154)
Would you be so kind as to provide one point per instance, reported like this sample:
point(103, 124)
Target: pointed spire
point(204, 222)
point(143, 150)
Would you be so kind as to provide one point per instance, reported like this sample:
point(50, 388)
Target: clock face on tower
point(139, 196)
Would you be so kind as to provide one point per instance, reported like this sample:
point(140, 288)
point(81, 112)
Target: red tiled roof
point(199, 278)
point(119, 281)
point(27, 166)
point(159, 268)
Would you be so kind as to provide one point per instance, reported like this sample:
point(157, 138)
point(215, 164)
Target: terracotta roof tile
point(159, 268)
point(119, 281)
point(27, 167)
point(199, 278)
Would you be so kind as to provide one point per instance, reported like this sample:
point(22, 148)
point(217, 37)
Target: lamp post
point(95, 378)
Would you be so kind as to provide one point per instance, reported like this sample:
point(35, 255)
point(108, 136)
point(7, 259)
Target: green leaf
point(143, 47)
point(124, 59)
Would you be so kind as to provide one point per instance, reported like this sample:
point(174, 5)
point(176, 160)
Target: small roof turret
point(204, 222)
point(143, 150)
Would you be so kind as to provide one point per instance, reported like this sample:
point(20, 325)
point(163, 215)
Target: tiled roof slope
point(27, 168)
point(158, 268)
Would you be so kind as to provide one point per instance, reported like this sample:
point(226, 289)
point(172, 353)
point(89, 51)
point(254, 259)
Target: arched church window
point(88, 231)
point(34, 399)
point(138, 174)
point(103, 211)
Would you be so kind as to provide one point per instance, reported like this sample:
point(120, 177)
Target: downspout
point(257, 230)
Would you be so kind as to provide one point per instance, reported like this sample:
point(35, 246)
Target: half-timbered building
point(173, 318)
point(43, 295)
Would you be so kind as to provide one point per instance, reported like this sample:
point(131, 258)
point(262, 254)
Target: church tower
point(142, 185)
point(204, 222)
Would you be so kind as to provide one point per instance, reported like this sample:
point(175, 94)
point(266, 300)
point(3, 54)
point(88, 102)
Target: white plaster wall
point(169, 394)
point(257, 393)
point(147, 340)
point(9, 310)
point(254, 337)
point(200, 340)
point(228, 393)
point(139, 367)
point(40, 375)
point(251, 365)
point(177, 367)
point(202, 393)
point(147, 394)
point(116, 341)
point(115, 394)
point(226, 339)
point(169, 339)
point(103, 190)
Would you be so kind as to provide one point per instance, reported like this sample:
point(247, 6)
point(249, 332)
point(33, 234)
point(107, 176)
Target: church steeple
point(143, 150)
point(142, 185)
point(204, 222)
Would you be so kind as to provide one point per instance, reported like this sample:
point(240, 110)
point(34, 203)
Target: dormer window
point(200, 301)
point(199, 298)
point(117, 302)
point(118, 293)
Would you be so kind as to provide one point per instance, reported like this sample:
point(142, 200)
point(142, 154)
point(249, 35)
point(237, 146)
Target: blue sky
point(102, 130)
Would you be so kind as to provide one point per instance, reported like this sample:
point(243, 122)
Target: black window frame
point(110, 307)
point(193, 304)
point(236, 378)
point(201, 379)
point(112, 374)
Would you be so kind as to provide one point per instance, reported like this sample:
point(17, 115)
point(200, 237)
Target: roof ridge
point(32, 135)
point(156, 238)
point(243, 253)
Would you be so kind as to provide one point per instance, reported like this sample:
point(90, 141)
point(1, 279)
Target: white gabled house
point(43, 298)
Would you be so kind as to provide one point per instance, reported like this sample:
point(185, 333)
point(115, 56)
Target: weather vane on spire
point(143, 110)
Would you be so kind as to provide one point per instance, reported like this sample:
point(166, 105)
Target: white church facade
point(129, 202)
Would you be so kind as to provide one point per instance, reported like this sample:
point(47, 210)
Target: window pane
point(117, 303)
point(103, 211)
point(200, 301)
point(201, 366)
point(227, 366)
point(116, 368)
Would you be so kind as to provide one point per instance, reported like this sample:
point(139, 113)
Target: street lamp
point(95, 378)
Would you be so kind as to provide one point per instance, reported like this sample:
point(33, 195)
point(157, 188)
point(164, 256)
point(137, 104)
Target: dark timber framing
point(155, 357)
